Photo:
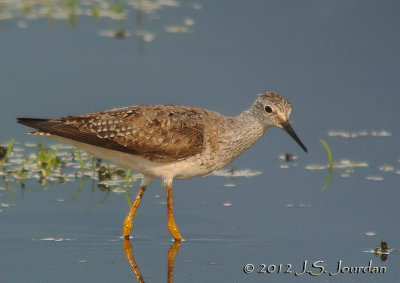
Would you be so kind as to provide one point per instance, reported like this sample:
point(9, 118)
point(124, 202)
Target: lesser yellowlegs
point(168, 141)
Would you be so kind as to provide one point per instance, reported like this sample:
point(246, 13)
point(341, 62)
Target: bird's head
point(273, 110)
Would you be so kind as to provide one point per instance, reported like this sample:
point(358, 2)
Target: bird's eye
point(268, 109)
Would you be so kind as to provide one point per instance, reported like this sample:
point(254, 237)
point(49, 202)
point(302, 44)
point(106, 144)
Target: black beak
point(288, 129)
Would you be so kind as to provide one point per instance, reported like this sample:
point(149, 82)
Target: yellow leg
point(128, 223)
point(173, 229)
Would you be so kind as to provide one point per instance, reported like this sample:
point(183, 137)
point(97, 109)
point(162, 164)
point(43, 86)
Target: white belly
point(182, 169)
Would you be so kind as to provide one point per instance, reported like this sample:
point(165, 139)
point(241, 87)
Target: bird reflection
point(128, 251)
point(172, 252)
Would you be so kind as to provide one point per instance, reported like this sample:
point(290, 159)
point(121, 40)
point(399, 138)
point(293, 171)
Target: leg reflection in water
point(172, 252)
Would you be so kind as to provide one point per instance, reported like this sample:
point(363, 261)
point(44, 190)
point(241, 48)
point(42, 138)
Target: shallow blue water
point(336, 61)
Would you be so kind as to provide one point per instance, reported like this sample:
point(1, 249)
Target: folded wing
point(160, 133)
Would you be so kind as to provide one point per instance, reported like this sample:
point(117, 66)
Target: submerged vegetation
point(39, 166)
point(58, 164)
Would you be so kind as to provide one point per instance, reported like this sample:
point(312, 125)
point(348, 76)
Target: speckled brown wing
point(160, 133)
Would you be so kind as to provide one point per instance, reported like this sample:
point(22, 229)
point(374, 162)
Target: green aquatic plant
point(60, 164)
point(104, 173)
point(48, 9)
point(128, 178)
point(129, 181)
point(19, 174)
point(79, 190)
point(328, 150)
point(5, 153)
point(92, 165)
point(330, 159)
point(71, 6)
point(26, 8)
point(118, 8)
point(96, 12)
point(77, 153)
point(47, 161)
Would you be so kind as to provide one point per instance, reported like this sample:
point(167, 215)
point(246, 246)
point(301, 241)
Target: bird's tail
point(33, 123)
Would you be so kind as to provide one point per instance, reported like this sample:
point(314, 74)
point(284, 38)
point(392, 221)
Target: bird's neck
point(245, 130)
point(250, 127)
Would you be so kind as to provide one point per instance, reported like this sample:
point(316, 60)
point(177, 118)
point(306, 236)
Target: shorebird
point(168, 141)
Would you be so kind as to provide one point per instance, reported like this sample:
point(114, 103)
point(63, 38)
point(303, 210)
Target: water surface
point(336, 61)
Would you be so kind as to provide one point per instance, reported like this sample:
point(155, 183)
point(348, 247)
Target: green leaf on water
point(330, 173)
